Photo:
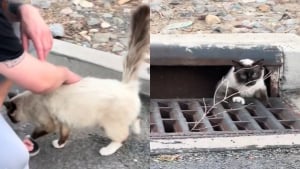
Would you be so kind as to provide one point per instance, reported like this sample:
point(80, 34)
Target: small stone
point(124, 41)
point(186, 14)
point(41, 3)
point(121, 2)
point(93, 30)
point(217, 29)
point(87, 37)
point(298, 31)
point(264, 8)
point(248, 1)
point(77, 26)
point(101, 37)
point(246, 23)
point(200, 9)
point(66, 11)
point(105, 25)
point(113, 36)
point(127, 10)
point(278, 8)
point(117, 47)
point(57, 30)
point(93, 21)
point(118, 21)
point(155, 6)
point(86, 44)
point(212, 19)
point(240, 30)
point(167, 13)
point(290, 21)
point(175, 2)
point(86, 4)
point(78, 8)
point(261, 1)
point(178, 25)
point(76, 15)
point(83, 32)
point(280, 29)
point(235, 7)
point(96, 45)
point(107, 5)
point(211, 8)
point(228, 18)
point(76, 2)
point(107, 15)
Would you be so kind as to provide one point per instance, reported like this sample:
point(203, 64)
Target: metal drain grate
point(186, 117)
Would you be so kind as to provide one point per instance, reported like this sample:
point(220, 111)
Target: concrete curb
point(91, 62)
point(223, 143)
point(289, 43)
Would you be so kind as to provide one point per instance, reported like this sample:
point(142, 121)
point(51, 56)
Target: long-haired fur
point(110, 104)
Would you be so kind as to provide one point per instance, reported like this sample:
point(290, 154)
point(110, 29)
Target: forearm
point(4, 89)
point(37, 76)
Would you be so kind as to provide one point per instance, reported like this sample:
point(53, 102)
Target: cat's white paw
point(56, 145)
point(136, 127)
point(110, 149)
point(238, 99)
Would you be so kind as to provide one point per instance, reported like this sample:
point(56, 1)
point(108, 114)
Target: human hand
point(34, 27)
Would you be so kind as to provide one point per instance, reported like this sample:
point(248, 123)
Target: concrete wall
point(289, 43)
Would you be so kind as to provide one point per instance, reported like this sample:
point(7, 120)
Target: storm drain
point(202, 118)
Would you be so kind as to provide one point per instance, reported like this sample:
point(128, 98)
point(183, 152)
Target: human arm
point(35, 75)
point(32, 26)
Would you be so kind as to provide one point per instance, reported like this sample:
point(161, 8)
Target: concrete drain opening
point(197, 117)
point(182, 113)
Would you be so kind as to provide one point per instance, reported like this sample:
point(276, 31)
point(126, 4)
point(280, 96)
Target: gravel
point(279, 158)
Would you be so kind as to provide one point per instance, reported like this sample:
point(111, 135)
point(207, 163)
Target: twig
point(207, 111)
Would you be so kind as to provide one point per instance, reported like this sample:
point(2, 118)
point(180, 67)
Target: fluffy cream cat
point(110, 104)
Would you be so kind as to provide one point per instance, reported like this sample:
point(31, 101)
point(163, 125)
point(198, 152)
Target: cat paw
point(56, 145)
point(238, 99)
point(110, 149)
point(136, 127)
point(106, 151)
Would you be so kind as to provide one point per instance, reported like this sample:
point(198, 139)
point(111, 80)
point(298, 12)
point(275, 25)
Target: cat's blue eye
point(243, 77)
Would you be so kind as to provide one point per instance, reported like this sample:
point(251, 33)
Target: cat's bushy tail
point(138, 44)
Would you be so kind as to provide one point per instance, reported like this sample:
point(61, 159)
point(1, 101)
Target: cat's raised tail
point(138, 45)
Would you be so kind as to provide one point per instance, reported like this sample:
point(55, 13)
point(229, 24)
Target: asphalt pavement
point(82, 149)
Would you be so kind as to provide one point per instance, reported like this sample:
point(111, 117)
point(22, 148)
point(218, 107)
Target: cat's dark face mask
point(248, 75)
point(11, 108)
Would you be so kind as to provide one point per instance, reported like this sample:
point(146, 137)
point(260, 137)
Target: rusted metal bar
point(245, 116)
point(227, 123)
point(179, 116)
point(201, 115)
point(262, 110)
point(154, 108)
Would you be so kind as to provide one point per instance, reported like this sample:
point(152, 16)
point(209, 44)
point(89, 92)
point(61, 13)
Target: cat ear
point(259, 62)
point(237, 64)
point(8, 105)
point(11, 95)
